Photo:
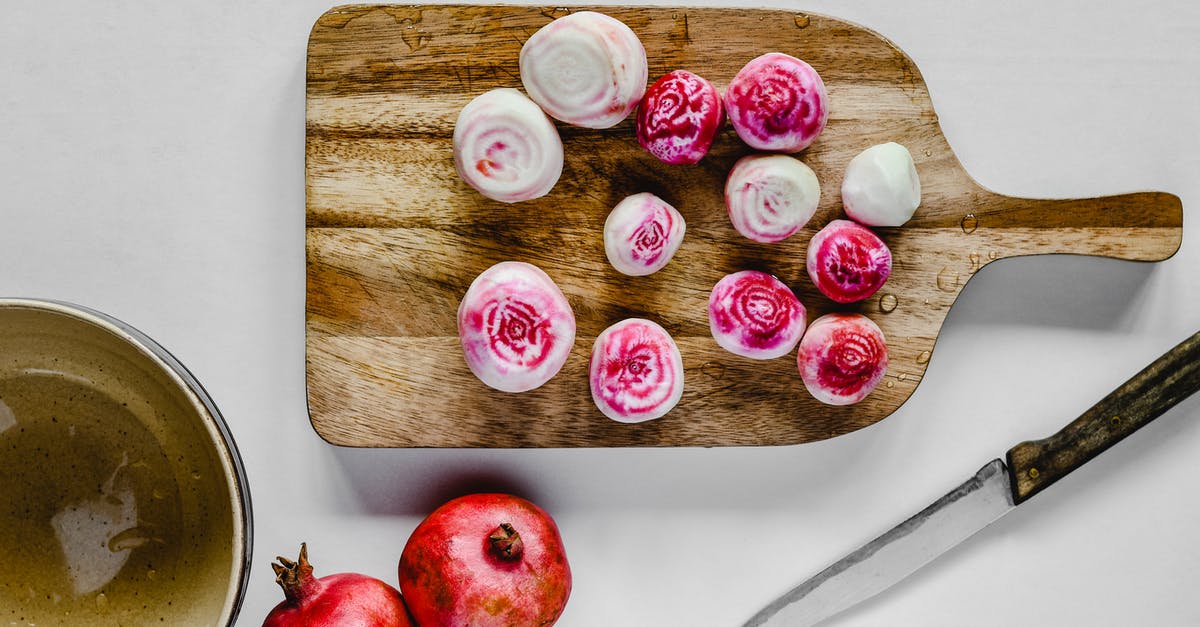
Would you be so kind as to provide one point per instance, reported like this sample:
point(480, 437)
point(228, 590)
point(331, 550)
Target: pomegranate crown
point(291, 576)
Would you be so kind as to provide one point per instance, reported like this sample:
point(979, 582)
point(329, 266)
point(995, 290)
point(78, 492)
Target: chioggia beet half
point(842, 358)
point(516, 327)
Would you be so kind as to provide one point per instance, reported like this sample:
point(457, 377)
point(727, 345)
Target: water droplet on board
point(801, 20)
point(101, 601)
point(903, 377)
point(975, 260)
point(888, 303)
point(923, 358)
point(947, 280)
point(891, 384)
point(992, 254)
point(928, 152)
point(152, 574)
point(713, 369)
point(969, 223)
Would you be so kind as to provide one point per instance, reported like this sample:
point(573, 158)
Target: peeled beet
point(770, 197)
point(778, 103)
point(485, 560)
point(587, 69)
point(516, 327)
point(842, 358)
point(679, 117)
point(641, 234)
point(755, 315)
point(636, 371)
point(848, 262)
point(881, 186)
point(506, 148)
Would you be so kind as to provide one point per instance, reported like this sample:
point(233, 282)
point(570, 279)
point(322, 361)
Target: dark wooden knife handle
point(1035, 465)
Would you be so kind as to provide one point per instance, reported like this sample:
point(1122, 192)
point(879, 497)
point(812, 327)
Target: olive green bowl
point(122, 496)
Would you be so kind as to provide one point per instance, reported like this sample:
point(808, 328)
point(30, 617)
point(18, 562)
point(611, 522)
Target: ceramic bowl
point(122, 496)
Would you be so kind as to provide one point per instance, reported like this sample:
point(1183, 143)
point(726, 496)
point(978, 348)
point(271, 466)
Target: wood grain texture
point(1033, 466)
point(394, 237)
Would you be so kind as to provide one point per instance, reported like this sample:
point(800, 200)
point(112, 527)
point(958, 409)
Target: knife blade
point(998, 488)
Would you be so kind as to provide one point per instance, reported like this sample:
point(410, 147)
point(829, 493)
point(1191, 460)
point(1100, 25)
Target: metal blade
point(895, 554)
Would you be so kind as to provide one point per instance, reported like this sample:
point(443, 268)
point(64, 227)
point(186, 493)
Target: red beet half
point(516, 327)
point(679, 117)
point(485, 560)
point(333, 600)
point(778, 103)
point(847, 262)
point(770, 197)
point(636, 371)
point(506, 148)
point(753, 314)
point(842, 357)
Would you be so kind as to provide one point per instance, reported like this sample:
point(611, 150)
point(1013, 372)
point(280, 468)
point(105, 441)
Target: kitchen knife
point(995, 490)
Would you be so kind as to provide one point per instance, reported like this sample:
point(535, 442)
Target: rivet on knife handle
point(1035, 465)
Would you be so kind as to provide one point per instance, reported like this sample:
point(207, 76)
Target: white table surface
point(151, 166)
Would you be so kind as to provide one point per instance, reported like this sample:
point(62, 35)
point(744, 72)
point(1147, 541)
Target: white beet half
point(516, 327)
point(636, 371)
point(506, 148)
point(586, 69)
point(881, 186)
point(642, 233)
point(842, 358)
point(771, 196)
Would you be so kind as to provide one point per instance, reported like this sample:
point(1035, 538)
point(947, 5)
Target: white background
point(151, 166)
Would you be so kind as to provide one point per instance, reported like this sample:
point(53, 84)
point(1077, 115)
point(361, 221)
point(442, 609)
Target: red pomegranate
point(337, 600)
point(485, 560)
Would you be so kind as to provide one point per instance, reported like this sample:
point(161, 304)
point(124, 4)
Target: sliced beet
point(848, 262)
point(842, 358)
point(516, 327)
point(636, 371)
point(755, 315)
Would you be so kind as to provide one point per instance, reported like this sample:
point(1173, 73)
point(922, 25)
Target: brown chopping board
point(393, 237)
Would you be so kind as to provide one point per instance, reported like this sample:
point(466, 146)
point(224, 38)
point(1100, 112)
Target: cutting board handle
point(1140, 226)
point(1164, 383)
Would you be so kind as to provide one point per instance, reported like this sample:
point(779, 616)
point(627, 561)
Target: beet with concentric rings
point(516, 327)
point(777, 103)
point(755, 315)
point(636, 371)
point(678, 117)
point(848, 262)
point(842, 358)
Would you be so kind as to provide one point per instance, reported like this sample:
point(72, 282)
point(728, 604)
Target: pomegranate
point(842, 358)
point(506, 148)
point(755, 315)
point(636, 371)
point(516, 327)
point(770, 197)
point(586, 69)
point(679, 117)
point(333, 600)
point(642, 233)
point(847, 262)
point(778, 103)
point(485, 560)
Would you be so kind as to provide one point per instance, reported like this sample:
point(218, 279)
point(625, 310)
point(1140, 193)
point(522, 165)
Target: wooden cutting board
point(394, 237)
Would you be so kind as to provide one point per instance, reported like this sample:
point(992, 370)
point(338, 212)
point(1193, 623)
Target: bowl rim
point(202, 402)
